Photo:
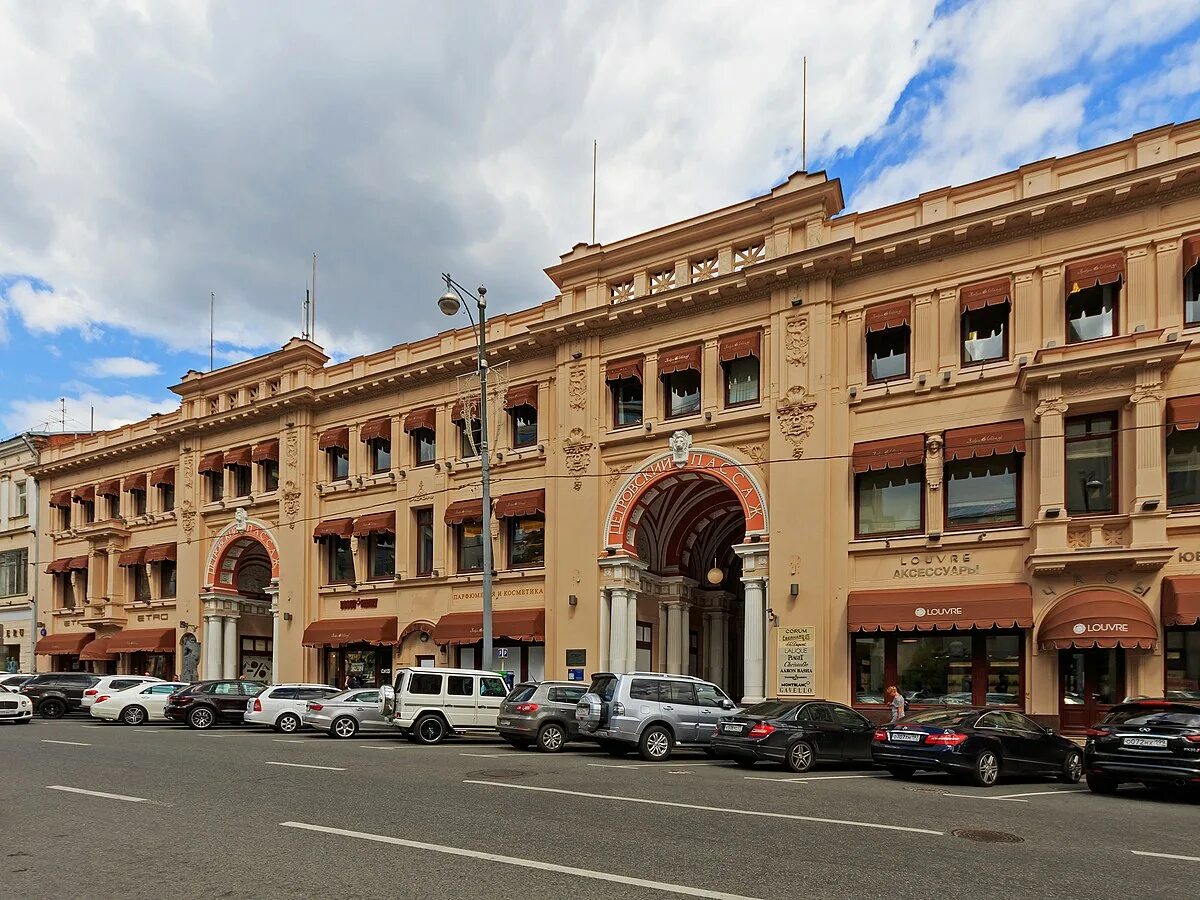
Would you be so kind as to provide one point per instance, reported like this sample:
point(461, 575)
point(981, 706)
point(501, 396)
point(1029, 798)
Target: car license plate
point(1155, 743)
point(502, 721)
point(907, 737)
point(733, 729)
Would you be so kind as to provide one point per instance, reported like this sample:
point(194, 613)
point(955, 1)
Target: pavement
point(94, 810)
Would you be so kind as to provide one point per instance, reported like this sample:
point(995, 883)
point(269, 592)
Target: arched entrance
point(239, 603)
point(684, 571)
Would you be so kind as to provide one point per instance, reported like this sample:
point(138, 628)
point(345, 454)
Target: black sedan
point(980, 744)
point(796, 733)
point(1156, 742)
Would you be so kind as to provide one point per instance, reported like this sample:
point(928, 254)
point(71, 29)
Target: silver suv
point(651, 712)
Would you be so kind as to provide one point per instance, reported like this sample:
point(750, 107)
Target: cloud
point(121, 367)
point(110, 410)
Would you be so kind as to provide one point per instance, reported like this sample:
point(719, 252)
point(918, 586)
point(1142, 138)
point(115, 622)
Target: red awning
point(61, 499)
point(620, 369)
point(134, 556)
point(238, 456)
point(1098, 618)
point(514, 624)
point(77, 564)
point(376, 430)
point(377, 630)
point(265, 450)
point(1091, 272)
point(335, 438)
point(210, 462)
point(160, 552)
point(143, 640)
point(85, 494)
point(941, 608)
point(986, 440)
point(110, 488)
point(985, 293)
point(891, 453)
point(97, 651)
point(334, 528)
point(888, 315)
point(58, 566)
point(68, 644)
point(1183, 413)
point(425, 419)
point(680, 359)
point(464, 511)
point(138, 482)
point(737, 346)
point(1181, 600)
point(375, 523)
point(163, 476)
point(521, 395)
point(1191, 252)
point(525, 503)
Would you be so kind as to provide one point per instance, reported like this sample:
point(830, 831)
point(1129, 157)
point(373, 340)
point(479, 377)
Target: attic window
point(620, 291)
point(662, 281)
point(704, 269)
point(749, 255)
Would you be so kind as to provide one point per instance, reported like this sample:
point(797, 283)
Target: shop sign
point(937, 611)
point(356, 603)
point(526, 593)
point(72, 623)
point(14, 632)
point(797, 660)
point(936, 565)
point(154, 617)
point(1100, 627)
point(1188, 556)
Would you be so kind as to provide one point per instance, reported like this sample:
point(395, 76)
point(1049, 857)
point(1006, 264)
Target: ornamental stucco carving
point(1098, 382)
point(753, 452)
point(933, 461)
point(577, 452)
point(797, 416)
point(291, 502)
point(1051, 405)
point(293, 450)
point(680, 443)
point(577, 387)
point(796, 340)
point(187, 517)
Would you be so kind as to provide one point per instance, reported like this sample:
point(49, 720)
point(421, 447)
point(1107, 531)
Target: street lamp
point(454, 299)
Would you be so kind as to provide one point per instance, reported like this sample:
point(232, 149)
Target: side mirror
point(727, 704)
point(1050, 732)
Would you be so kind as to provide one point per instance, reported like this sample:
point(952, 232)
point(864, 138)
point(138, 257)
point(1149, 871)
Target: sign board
point(502, 653)
point(577, 657)
point(797, 660)
point(574, 674)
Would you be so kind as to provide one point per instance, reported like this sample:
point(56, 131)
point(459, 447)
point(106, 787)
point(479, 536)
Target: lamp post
point(454, 299)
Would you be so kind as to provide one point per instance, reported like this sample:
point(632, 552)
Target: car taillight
point(1192, 738)
point(761, 730)
point(102, 698)
point(618, 708)
point(90, 692)
point(257, 705)
point(881, 735)
point(948, 739)
point(526, 707)
point(1098, 732)
point(315, 707)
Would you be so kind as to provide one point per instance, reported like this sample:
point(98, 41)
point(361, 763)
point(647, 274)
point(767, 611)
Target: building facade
point(950, 444)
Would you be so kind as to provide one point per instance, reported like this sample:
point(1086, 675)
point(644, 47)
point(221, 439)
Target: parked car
point(138, 704)
point(14, 680)
point(54, 694)
point(15, 707)
point(207, 703)
point(111, 684)
point(795, 733)
point(346, 713)
point(429, 704)
point(540, 713)
point(651, 713)
point(979, 743)
point(1156, 742)
point(281, 706)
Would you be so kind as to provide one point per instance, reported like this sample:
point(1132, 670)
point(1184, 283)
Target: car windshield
point(1141, 716)
point(605, 687)
point(769, 709)
point(942, 718)
point(521, 693)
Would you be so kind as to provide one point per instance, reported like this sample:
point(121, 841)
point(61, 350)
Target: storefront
point(150, 651)
point(96, 657)
point(64, 649)
point(354, 651)
point(1181, 624)
point(518, 640)
point(941, 646)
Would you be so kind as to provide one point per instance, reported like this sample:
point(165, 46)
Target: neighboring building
point(951, 444)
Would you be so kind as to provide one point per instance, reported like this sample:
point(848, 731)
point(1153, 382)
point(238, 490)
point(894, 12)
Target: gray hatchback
point(540, 713)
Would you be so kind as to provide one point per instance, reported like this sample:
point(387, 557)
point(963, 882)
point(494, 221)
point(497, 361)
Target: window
point(887, 354)
point(88, 508)
point(524, 426)
point(890, 501)
point(341, 560)
point(339, 463)
point(643, 645)
point(424, 521)
point(569, 695)
point(166, 497)
point(682, 693)
point(1092, 313)
point(985, 334)
point(681, 393)
point(984, 490)
point(848, 718)
point(1183, 467)
point(643, 689)
point(166, 579)
point(66, 590)
point(1182, 660)
point(424, 446)
point(460, 686)
point(226, 687)
point(492, 687)
point(14, 572)
point(167, 689)
point(216, 485)
point(425, 683)
point(470, 546)
point(21, 502)
point(959, 669)
point(741, 381)
point(1091, 464)
point(141, 584)
point(470, 438)
point(270, 475)
point(627, 401)
point(1191, 295)
point(710, 695)
point(816, 712)
point(526, 541)
point(137, 502)
point(381, 551)
point(241, 481)
point(869, 670)
point(381, 455)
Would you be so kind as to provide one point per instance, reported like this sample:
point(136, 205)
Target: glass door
point(1090, 683)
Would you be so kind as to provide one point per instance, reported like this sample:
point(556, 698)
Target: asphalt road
point(252, 814)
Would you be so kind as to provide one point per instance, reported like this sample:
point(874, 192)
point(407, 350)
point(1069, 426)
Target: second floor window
point(524, 426)
point(424, 523)
point(1091, 464)
point(470, 546)
point(983, 491)
point(216, 485)
point(887, 354)
point(166, 497)
point(627, 401)
point(890, 501)
point(985, 334)
point(66, 589)
point(381, 455)
point(470, 438)
point(21, 503)
point(340, 560)
point(338, 460)
point(424, 446)
point(526, 541)
point(88, 508)
point(269, 470)
point(741, 381)
point(681, 392)
point(241, 481)
point(381, 552)
point(141, 584)
point(1092, 313)
point(166, 578)
point(1191, 284)
point(14, 572)
point(1183, 467)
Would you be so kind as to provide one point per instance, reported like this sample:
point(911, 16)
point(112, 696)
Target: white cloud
point(109, 411)
point(120, 367)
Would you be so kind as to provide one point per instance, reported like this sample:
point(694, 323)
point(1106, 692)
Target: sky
point(155, 151)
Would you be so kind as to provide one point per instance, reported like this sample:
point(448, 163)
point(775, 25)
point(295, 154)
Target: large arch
point(235, 539)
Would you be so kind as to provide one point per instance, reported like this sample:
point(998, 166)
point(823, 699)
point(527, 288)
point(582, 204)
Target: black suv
point(1156, 742)
point(54, 694)
point(206, 703)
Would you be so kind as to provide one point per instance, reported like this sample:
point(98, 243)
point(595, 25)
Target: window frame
point(332, 456)
point(418, 525)
point(138, 579)
point(168, 574)
point(514, 414)
point(166, 498)
point(613, 387)
point(331, 543)
point(216, 486)
point(1117, 287)
point(372, 550)
point(1113, 438)
point(472, 428)
point(1191, 283)
point(243, 476)
point(665, 381)
point(268, 475)
point(1018, 518)
point(17, 560)
point(375, 446)
point(1004, 356)
point(902, 376)
point(20, 498)
point(725, 367)
point(510, 540)
point(884, 535)
point(416, 436)
point(458, 549)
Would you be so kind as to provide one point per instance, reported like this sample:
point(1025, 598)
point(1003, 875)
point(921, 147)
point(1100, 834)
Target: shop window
point(983, 491)
point(958, 669)
point(269, 472)
point(627, 401)
point(524, 426)
point(141, 584)
point(1092, 313)
point(14, 572)
point(681, 393)
point(166, 579)
point(381, 553)
point(470, 438)
point(241, 481)
point(741, 381)
point(869, 669)
point(887, 354)
point(985, 334)
point(381, 455)
point(1091, 464)
point(1002, 655)
point(1183, 467)
point(890, 501)
point(166, 497)
point(340, 560)
point(137, 502)
point(339, 463)
point(526, 541)
point(1191, 296)
point(424, 522)
point(469, 536)
point(216, 485)
point(1182, 659)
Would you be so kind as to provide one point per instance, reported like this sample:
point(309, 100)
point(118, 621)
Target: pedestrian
point(896, 701)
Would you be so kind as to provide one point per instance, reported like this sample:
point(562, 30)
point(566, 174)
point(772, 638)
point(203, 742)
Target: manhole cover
point(984, 836)
point(498, 773)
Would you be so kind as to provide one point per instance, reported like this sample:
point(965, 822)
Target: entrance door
point(1089, 683)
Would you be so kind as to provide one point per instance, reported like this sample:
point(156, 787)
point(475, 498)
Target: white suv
point(428, 704)
point(281, 706)
point(111, 684)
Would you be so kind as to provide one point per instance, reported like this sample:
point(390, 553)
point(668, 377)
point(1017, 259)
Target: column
point(753, 650)
point(212, 646)
point(273, 593)
point(92, 571)
point(112, 555)
point(229, 662)
point(663, 632)
point(605, 626)
point(1168, 263)
point(631, 629)
point(1050, 448)
point(716, 647)
point(1140, 289)
point(618, 644)
point(1054, 298)
point(934, 445)
point(1148, 512)
point(674, 645)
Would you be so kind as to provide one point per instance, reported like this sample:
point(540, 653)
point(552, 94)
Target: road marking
point(284, 741)
point(378, 747)
point(523, 863)
point(486, 755)
point(1042, 793)
point(67, 743)
point(1165, 855)
point(981, 797)
point(71, 790)
point(303, 766)
point(146, 731)
point(803, 779)
point(720, 809)
point(93, 726)
point(644, 765)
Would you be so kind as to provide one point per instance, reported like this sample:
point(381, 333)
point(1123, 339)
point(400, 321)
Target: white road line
point(804, 779)
point(67, 743)
point(284, 741)
point(146, 731)
point(377, 747)
point(775, 780)
point(71, 790)
point(647, 765)
point(1042, 793)
point(981, 797)
point(720, 809)
point(303, 766)
point(486, 755)
point(1165, 855)
point(524, 863)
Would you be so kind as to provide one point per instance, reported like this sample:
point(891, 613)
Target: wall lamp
point(577, 355)
point(287, 617)
point(797, 301)
point(853, 392)
point(946, 376)
point(795, 590)
point(1149, 505)
point(934, 536)
point(1052, 512)
point(572, 600)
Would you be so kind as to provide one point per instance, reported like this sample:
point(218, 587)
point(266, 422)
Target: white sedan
point(136, 705)
point(15, 707)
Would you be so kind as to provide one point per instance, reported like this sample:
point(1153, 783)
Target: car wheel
point(133, 715)
point(287, 723)
point(551, 738)
point(800, 757)
point(902, 772)
point(986, 770)
point(1072, 768)
point(430, 729)
point(745, 763)
point(52, 709)
point(656, 744)
point(344, 727)
point(201, 718)
point(1099, 784)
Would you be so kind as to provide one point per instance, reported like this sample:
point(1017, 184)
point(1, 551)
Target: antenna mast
point(307, 301)
point(63, 421)
point(312, 326)
point(804, 117)
point(593, 190)
point(212, 305)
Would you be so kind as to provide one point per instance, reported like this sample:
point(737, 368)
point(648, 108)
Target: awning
point(210, 462)
point(514, 624)
point(985, 293)
point(143, 640)
point(134, 556)
point(334, 438)
point(85, 494)
point(1191, 252)
point(160, 552)
point(525, 503)
point(69, 644)
point(1181, 600)
point(334, 528)
point(378, 630)
point(1098, 618)
point(1091, 272)
point(620, 369)
point(986, 440)
point(1183, 413)
point(680, 359)
point(375, 523)
point(942, 608)
point(138, 482)
point(421, 419)
point(890, 453)
point(238, 456)
point(376, 430)
point(58, 566)
point(163, 476)
point(464, 511)
point(61, 499)
point(110, 488)
point(77, 564)
point(267, 450)
point(521, 395)
point(97, 651)
point(738, 346)
point(888, 315)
